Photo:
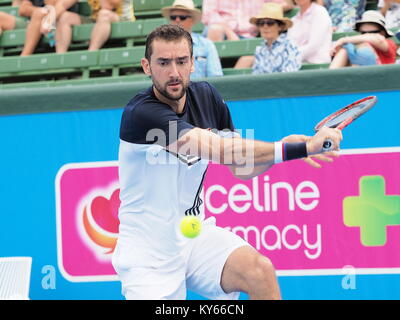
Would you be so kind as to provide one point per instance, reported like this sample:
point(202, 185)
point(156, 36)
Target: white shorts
point(198, 268)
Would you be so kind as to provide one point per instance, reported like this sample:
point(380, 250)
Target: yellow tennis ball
point(190, 226)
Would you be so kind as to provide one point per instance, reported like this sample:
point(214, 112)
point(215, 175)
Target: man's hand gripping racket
point(343, 117)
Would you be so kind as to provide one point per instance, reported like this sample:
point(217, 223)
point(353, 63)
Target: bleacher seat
point(10, 10)
point(120, 57)
point(234, 48)
point(305, 66)
point(128, 36)
point(40, 64)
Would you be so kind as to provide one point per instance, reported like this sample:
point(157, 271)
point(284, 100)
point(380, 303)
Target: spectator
point(312, 32)
point(344, 13)
point(371, 47)
point(10, 22)
point(206, 59)
point(391, 10)
point(229, 20)
point(43, 15)
point(104, 12)
point(277, 53)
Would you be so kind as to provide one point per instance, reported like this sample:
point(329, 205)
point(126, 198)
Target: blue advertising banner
point(52, 159)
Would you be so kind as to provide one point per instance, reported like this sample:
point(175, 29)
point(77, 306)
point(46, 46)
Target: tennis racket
point(344, 116)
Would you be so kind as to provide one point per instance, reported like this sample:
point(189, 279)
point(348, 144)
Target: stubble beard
point(163, 90)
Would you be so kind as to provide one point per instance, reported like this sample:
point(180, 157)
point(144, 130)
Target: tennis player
point(168, 134)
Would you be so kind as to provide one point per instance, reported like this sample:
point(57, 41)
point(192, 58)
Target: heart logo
point(101, 221)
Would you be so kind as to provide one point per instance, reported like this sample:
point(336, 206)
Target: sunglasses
point(269, 23)
point(372, 31)
point(182, 18)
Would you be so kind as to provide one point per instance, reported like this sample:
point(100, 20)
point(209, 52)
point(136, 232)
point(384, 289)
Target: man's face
point(181, 18)
point(170, 66)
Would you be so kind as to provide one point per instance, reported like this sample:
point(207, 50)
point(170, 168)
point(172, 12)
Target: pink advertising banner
point(316, 221)
point(307, 221)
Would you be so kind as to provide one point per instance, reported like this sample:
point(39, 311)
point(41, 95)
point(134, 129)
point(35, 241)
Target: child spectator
point(371, 47)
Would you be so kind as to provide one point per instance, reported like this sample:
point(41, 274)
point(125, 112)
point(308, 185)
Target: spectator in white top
point(312, 32)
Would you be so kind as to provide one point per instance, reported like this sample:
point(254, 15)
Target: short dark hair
point(167, 32)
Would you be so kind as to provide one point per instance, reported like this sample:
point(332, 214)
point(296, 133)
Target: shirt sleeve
point(390, 55)
point(152, 123)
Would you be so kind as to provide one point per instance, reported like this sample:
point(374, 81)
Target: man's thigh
point(152, 284)
point(206, 260)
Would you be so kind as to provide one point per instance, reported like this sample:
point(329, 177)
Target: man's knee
point(38, 14)
point(68, 18)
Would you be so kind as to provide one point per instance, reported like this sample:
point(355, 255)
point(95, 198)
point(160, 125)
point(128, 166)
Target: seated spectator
point(10, 22)
point(206, 59)
point(229, 20)
point(391, 10)
point(344, 13)
point(104, 12)
point(43, 15)
point(371, 47)
point(312, 32)
point(277, 53)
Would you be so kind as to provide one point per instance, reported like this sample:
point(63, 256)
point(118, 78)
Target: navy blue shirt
point(204, 108)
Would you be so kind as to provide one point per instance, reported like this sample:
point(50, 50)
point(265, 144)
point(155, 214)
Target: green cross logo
point(372, 211)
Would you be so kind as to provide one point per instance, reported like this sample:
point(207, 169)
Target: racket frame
point(350, 119)
point(327, 145)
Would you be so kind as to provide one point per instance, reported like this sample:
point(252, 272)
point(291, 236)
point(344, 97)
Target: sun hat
point(372, 16)
point(273, 11)
point(187, 5)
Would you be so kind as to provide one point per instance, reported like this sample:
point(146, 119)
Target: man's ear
point(146, 66)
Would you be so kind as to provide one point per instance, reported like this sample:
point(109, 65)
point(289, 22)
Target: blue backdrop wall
point(35, 146)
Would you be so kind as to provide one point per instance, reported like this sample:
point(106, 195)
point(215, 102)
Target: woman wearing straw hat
point(371, 47)
point(206, 60)
point(277, 53)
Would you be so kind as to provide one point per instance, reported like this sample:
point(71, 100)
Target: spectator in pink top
point(312, 32)
point(229, 20)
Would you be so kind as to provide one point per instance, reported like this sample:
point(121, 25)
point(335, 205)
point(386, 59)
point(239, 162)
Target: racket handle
point(327, 145)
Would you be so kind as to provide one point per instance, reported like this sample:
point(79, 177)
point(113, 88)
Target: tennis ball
point(190, 226)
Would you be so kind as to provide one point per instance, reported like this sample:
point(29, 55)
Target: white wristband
point(278, 156)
